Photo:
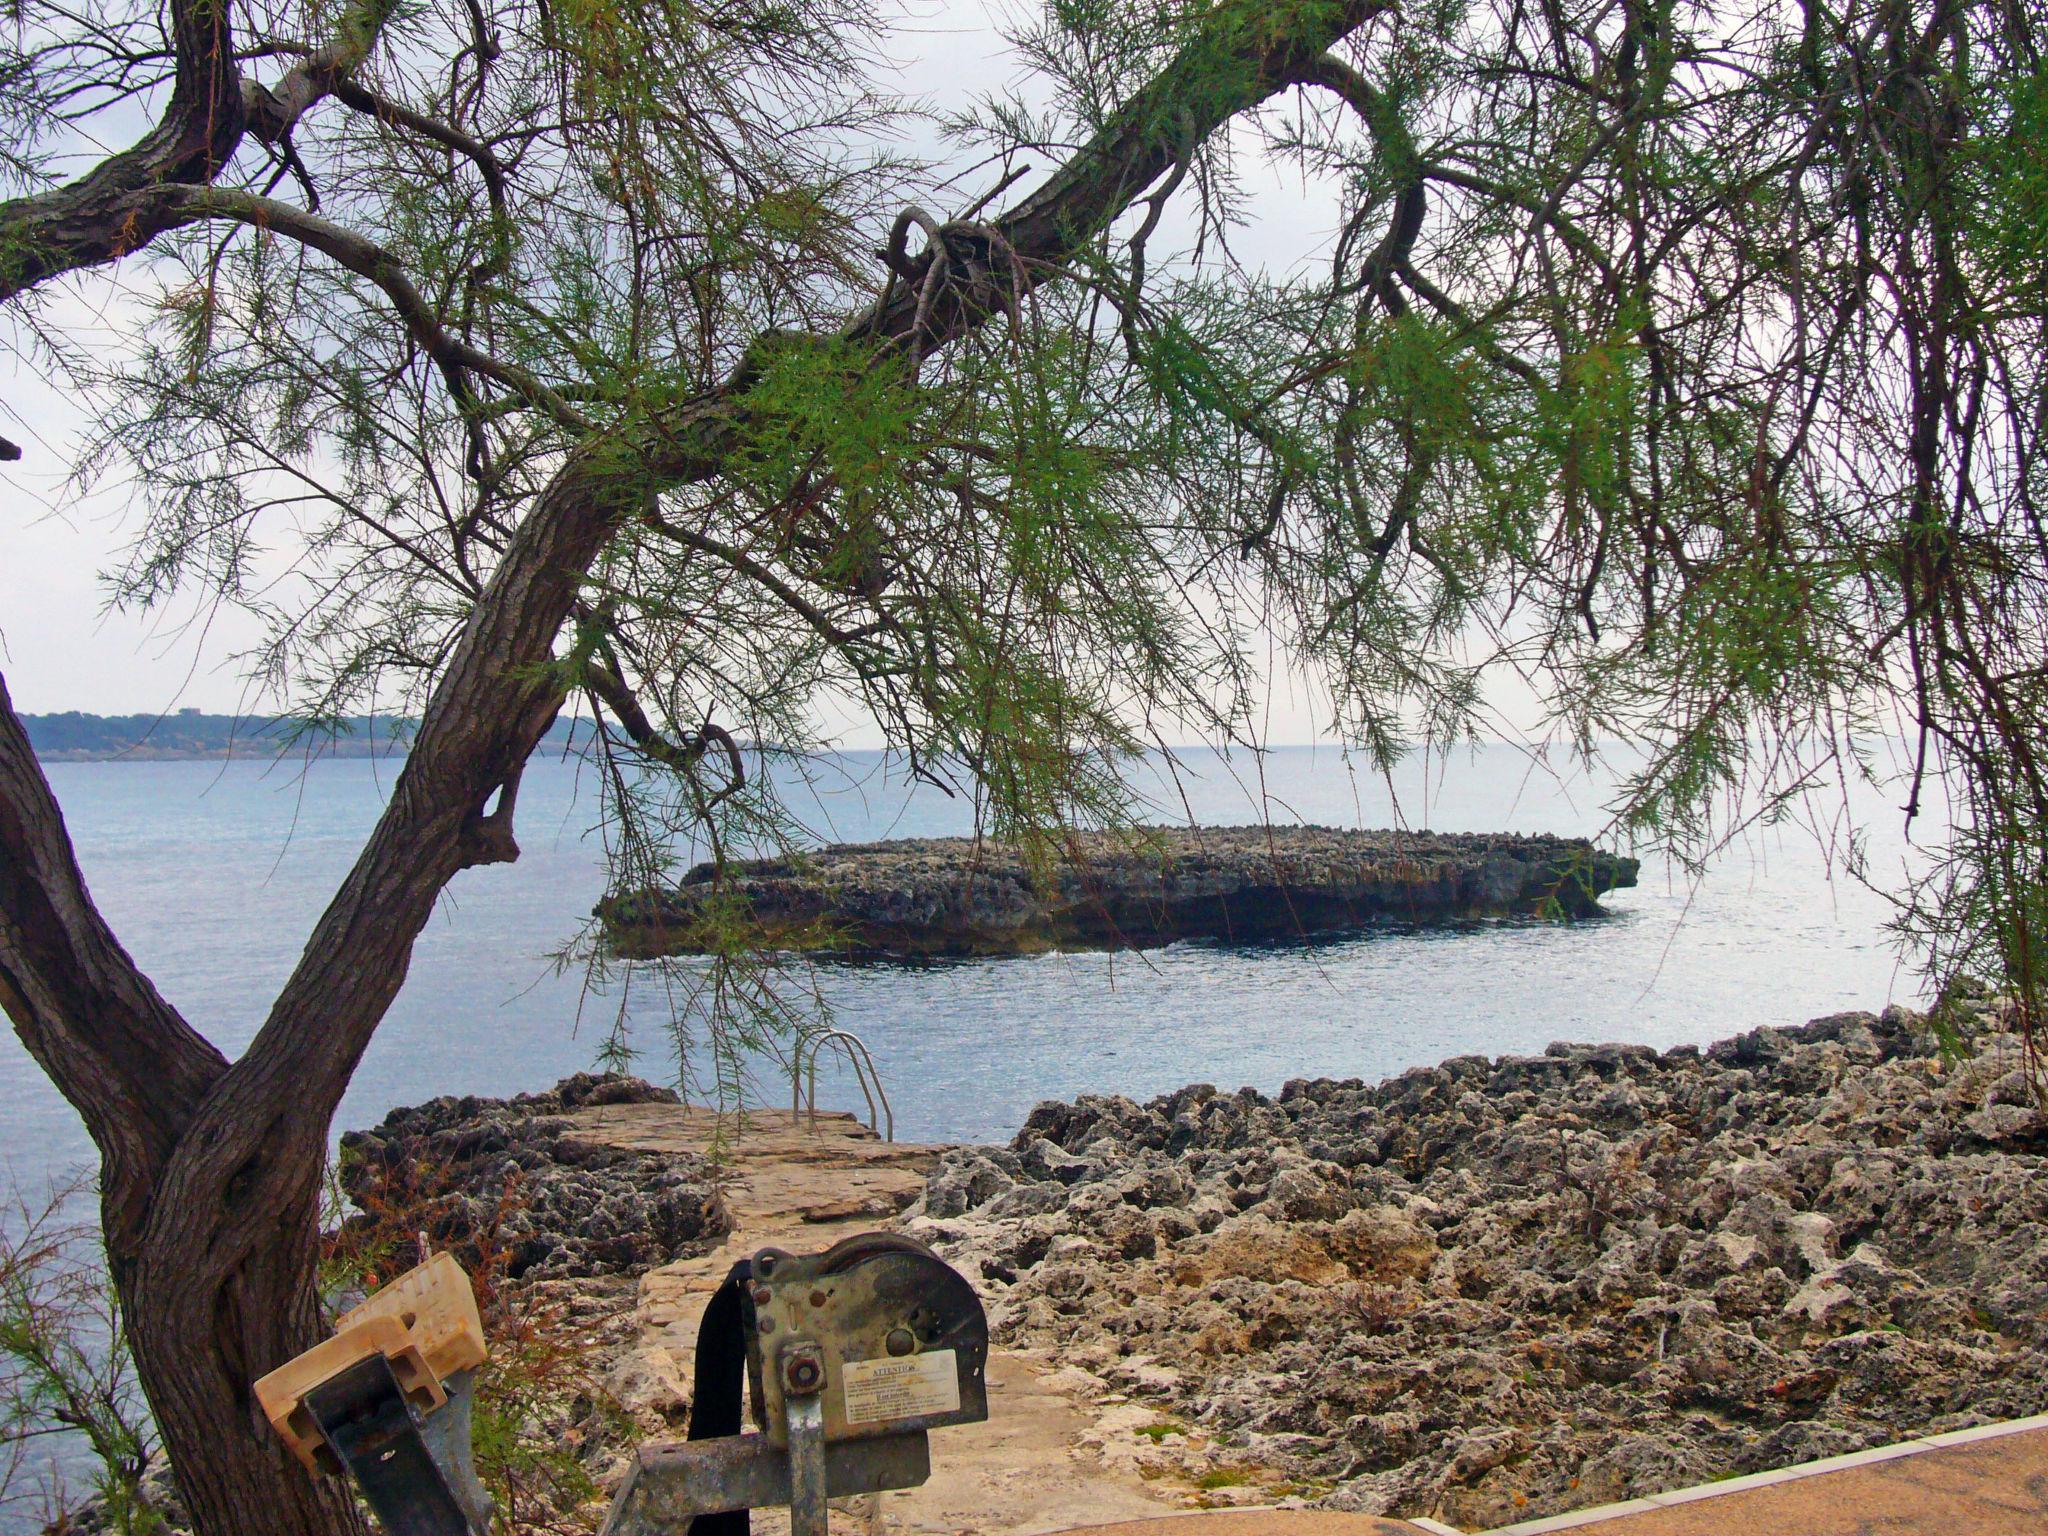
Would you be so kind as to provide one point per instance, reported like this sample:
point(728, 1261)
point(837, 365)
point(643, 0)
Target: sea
point(213, 873)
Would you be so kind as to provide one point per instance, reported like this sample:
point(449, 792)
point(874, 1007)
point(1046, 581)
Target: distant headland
point(193, 735)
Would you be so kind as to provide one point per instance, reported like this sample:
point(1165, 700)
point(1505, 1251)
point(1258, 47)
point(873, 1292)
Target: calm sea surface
point(213, 874)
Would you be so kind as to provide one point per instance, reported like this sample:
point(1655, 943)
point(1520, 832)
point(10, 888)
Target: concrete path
point(1257, 1522)
point(1991, 1481)
point(1023, 1473)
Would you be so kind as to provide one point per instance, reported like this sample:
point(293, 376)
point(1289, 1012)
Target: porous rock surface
point(1494, 1290)
point(956, 895)
point(510, 1174)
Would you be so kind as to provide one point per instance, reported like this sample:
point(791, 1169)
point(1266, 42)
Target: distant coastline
point(191, 735)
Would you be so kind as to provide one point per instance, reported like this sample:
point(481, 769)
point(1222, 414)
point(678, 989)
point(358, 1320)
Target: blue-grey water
point(213, 874)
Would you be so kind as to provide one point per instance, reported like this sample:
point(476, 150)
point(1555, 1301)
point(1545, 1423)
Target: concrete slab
point(1254, 1522)
point(1991, 1481)
point(802, 1186)
point(1030, 1471)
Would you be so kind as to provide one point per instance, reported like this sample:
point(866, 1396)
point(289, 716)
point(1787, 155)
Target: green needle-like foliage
point(1678, 365)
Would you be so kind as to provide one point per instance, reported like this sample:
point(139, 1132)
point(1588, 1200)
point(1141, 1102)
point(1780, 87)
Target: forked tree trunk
point(209, 1179)
point(199, 1344)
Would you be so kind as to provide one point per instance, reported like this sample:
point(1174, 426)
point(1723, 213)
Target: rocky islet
point(963, 896)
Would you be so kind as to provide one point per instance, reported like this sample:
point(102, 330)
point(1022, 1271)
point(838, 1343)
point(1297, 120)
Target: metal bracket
point(853, 1355)
point(414, 1469)
point(671, 1484)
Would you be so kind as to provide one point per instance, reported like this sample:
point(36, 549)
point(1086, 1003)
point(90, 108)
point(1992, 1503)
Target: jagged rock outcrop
point(955, 896)
point(510, 1174)
point(1495, 1290)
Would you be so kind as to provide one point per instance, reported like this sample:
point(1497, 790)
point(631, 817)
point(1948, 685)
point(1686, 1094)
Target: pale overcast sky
point(61, 649)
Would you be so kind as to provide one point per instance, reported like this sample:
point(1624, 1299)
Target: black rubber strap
point(716, 1400)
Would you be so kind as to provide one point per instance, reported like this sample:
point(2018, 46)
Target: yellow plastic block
point(425, 1323)
point(437, 1308)
point(282, 1393)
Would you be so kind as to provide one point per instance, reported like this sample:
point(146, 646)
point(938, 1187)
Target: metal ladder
point(804, 1087)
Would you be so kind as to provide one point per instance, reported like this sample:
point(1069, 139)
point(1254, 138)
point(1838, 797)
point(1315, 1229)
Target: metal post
point(803, 1382)
point(415, 1472)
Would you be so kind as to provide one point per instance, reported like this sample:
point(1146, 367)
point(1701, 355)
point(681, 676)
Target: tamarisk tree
point(1683, 361)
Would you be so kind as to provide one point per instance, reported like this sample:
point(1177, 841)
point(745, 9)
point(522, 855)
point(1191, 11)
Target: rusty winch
point(852, 1356)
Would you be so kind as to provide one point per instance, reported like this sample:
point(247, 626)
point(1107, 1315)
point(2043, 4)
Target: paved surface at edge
point(1026, 1472)
point(1255, 1522)
point(1995, 1487)
point(1020, 1475)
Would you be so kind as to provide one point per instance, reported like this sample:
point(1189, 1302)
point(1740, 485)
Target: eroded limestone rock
point(1494, 1290)
point(925, 896)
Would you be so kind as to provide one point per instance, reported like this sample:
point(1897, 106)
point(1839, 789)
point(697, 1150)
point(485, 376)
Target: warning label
point(901, 1388)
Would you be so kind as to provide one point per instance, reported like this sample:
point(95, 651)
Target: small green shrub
point(65, 1369)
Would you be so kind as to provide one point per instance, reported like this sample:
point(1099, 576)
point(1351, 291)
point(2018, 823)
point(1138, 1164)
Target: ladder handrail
point(860, 1058)
point(860, 1077)
point(864, 1069)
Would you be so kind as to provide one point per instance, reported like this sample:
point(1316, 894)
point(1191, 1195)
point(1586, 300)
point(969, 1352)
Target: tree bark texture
point(217, 1278)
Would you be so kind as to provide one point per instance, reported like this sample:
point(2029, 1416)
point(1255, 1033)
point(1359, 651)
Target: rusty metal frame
point(672, 1483)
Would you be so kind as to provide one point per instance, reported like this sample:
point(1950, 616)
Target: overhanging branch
point(129, 198)
point(502, 684)
point(367, 259)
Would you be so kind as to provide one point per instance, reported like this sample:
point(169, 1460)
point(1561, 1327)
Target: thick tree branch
point(1243, 54)
point(1396, 147)
point(133, 1067)
point(273, 111)
point(502, 686)
point(371, 261)
point(619, 698)
point(129, 199)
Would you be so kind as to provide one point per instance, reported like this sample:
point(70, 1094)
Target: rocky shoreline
point(1484, 1291)
point(1490, 1291)
point(960, 896)
point(506, 1183)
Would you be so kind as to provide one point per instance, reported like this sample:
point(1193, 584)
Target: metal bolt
point(817, 1298)
point(901, 1341)
point(803, 1369)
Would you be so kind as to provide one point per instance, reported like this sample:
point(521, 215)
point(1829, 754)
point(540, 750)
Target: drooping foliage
point(1678, 367)
point(1681, 364)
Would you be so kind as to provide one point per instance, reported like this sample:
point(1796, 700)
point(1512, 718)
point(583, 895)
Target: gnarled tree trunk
point(197, 1335)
